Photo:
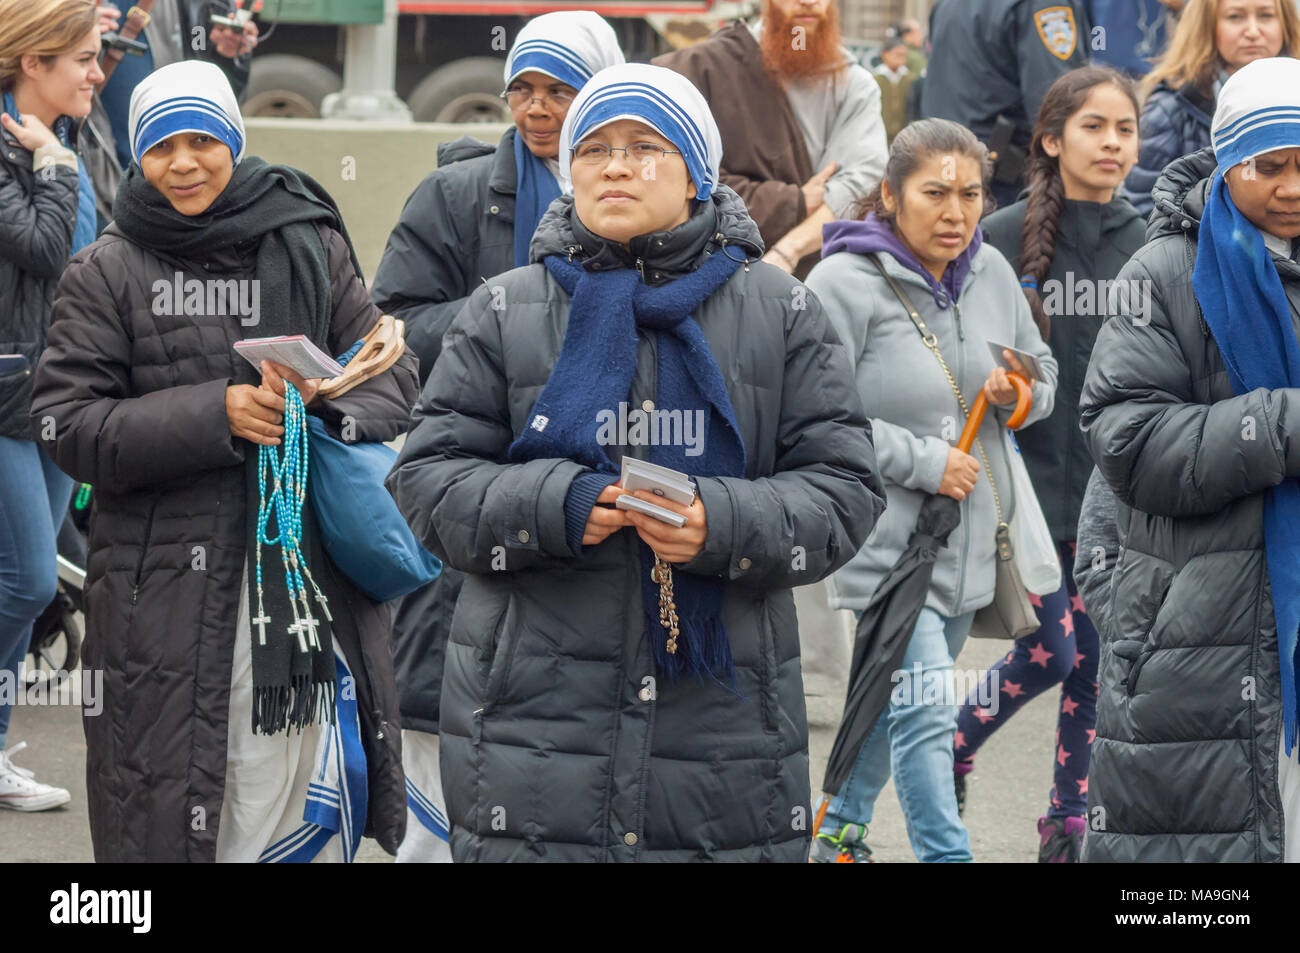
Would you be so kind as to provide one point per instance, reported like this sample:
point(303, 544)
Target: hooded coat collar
point(722, 221)
point(873, 235)
point(503, 175)
point(1180, 194)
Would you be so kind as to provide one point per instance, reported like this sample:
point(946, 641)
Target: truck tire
point(288, 86)
point(465, 90)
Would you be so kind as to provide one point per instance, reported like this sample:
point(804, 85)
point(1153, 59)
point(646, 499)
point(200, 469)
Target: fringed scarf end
point(303, 702)
point(703, 650)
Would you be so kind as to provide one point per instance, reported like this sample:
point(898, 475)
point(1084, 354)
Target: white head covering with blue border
point(662, 99)
point(1257, 111)
point(570, 46)
point(189, 96)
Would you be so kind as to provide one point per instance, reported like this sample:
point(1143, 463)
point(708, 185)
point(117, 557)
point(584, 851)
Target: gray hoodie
point(915, 416)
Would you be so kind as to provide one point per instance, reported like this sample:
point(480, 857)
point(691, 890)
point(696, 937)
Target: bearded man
point(789, 100)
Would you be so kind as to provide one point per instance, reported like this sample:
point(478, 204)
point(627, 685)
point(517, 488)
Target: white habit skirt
point(296, 796)
point(426, 814)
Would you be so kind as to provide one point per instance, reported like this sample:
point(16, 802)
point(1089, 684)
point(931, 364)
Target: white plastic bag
point(1035, 551)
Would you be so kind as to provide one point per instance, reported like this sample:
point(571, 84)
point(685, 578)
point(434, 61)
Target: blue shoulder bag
point(360, 525)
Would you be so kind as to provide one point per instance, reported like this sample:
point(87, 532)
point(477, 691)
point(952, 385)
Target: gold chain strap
point(932, 342)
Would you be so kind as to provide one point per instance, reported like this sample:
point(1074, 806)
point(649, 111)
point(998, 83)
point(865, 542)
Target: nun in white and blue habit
point(225, 734)
point(578, 721)
point(470, 219)
point(473, 216)
point(1186, 409)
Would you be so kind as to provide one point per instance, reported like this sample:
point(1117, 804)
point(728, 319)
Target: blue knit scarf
point(1245, 306)
point(535, 189)
point(594, 373)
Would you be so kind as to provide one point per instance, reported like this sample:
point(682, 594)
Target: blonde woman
point(48, 68)
point(1214, 39)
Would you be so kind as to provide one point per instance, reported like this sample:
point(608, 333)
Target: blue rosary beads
point(288, 478)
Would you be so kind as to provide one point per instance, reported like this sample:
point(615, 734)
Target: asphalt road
point(1008, 789)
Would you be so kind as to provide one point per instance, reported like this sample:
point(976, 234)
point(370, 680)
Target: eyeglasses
point(516, 97)
point(595, 153)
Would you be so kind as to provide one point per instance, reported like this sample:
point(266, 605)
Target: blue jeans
point(34, 496)
point(914, 737)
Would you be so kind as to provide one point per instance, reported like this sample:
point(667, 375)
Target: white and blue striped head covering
point(571, 46)
point(665, 100)
point(189, 96)
point(1258, 111)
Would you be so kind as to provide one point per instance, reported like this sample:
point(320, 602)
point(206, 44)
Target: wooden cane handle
point(1024, 400)
point(1024, 404)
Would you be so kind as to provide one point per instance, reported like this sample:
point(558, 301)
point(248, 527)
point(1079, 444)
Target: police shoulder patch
point(1057, 30)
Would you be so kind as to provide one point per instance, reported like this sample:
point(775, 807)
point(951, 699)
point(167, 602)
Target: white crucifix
point(309, 625)
point(296, 629)
point(261, 622)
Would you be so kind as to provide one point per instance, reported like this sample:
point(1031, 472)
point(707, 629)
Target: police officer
point(991, 62)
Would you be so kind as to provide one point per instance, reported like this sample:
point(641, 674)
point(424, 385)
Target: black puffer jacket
point(1189, 716)
point(139, 402)
point(37, 216)
point(456, 229)
point(557, 742)
point(1093, 243)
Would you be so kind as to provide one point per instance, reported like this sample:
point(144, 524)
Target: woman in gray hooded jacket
point(922, 230)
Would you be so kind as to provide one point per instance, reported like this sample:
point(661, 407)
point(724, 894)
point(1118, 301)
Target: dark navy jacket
point(994, 57)
point(1175, 123)
point(457, 229)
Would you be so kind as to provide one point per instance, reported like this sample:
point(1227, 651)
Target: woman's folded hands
point(670, 543)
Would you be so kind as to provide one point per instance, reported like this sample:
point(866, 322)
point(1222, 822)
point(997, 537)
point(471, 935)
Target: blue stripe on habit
point(423, 811)
point(551, 59)
point(200, 118)
point(648, 103)
point(426, 802)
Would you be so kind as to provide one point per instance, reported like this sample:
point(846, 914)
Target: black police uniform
point(991, 65)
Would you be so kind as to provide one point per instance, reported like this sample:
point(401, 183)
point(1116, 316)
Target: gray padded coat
point(1189, 716)
point(558, 744)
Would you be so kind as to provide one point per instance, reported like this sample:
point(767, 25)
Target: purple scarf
point(872, 235)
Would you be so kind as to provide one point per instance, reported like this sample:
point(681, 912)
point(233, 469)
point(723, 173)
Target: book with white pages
point(295, 351)
point(661, 481)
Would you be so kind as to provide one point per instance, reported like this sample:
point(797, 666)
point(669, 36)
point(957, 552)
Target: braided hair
point(1046, 199)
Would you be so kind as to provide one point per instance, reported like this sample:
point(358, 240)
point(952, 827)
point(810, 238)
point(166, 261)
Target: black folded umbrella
point(883, 633)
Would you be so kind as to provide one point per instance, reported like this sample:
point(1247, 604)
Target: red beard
point(794, 52)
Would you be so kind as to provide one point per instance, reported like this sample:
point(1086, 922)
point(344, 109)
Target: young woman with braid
point(1069, 232)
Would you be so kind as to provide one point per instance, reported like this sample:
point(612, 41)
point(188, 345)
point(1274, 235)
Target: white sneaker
point(19, 789)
